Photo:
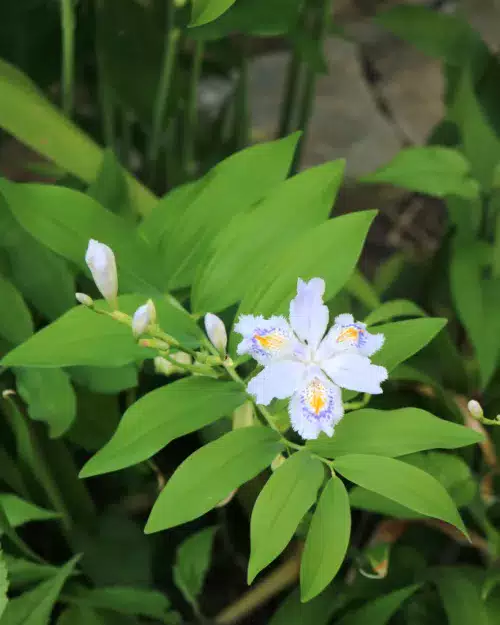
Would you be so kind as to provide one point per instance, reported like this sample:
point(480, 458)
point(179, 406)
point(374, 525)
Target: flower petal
point(102, 264)
point(355, 372)
point(278, 380)
point(308, 314)
point(316, 407)
point(265, 339)
point(349, 335)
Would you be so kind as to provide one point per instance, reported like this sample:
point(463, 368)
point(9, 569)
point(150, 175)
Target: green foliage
point(402, 483)
point(284, 500)
point(4, 583)
point(204, 11)
point(19, 511)
point(35, 606)
point(210, 474)
point(381, 610)
point(192, 564)
point(327, 539)
point(160, 417)
point(392, 433)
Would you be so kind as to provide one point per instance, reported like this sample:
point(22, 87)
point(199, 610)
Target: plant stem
point(68, 24)
point(319, 31)
point(172, 35)
point(105, 95)
point(191, 121)
point(291, 90)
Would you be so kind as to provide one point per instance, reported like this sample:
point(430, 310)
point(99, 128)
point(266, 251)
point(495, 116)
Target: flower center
point(316, 396)
point(270, 341)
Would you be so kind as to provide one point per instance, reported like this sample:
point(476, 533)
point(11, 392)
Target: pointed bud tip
point(84, 299)
point(216, 332)
point(143, 317)
point(475, 409)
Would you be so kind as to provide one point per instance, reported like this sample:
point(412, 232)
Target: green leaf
point(392, 433)
point(4, 583)
point(35, 606)
point(438, 34)
point(450, 471)
point(24, 572)
point(476, 300)
point(162, 416)
point(79, 615)
point(97, 419)
point(460, 596)
point(310, 256)
point(27, 115)
point(211, 473)
point(327, 540)
point(192, 563)
point(42, 210)
point(256, 17)
point(318, 611)
point(43, 278)
point(19, 511)
point(16, 324)
point(110, 186)
point(245, 246)
point(432, 170)
point(380, 610)
point(116, 552)
point(232, 187)
point(125, 600)
point(402, 483)
point(287, 496)
point(360, 288)
point(403, 339)
point(481, 146)
point(393, 309)
point(204, 11)
point(50, 397)
point(79, 337)
point(106, 380)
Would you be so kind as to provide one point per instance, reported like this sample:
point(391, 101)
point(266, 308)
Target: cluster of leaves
point(235, 241)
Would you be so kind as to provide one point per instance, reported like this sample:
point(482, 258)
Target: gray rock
point(346, 122)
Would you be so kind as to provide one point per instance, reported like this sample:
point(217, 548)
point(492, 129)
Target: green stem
point(106, 100)
point(289, 101)
point(319, 28)
point(172, 35)
point(192, 111)
point(68, 24)
point(357, 405)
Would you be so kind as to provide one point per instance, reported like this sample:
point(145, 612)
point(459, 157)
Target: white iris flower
point(302, 363)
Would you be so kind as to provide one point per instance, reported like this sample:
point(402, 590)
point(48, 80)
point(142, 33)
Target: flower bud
point(84, 299)
point(277, 462)
point(165, 367)
point(143, 317)
point(102, 264)
point(475, 409)
point(216, 332)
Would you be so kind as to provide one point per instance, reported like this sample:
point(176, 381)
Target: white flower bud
point(102, 264)
point(84, 299)
point(216, 332)
point(143, 317)
point(475, 409)
point(165, 367)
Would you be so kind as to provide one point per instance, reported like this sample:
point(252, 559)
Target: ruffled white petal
point(355, 372)
point(349, 335)
point(308, 314)
point(265, 339)
point(278, 380)
point(316, 407)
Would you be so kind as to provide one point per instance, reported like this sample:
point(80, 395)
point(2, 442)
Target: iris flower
point(304, 362)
